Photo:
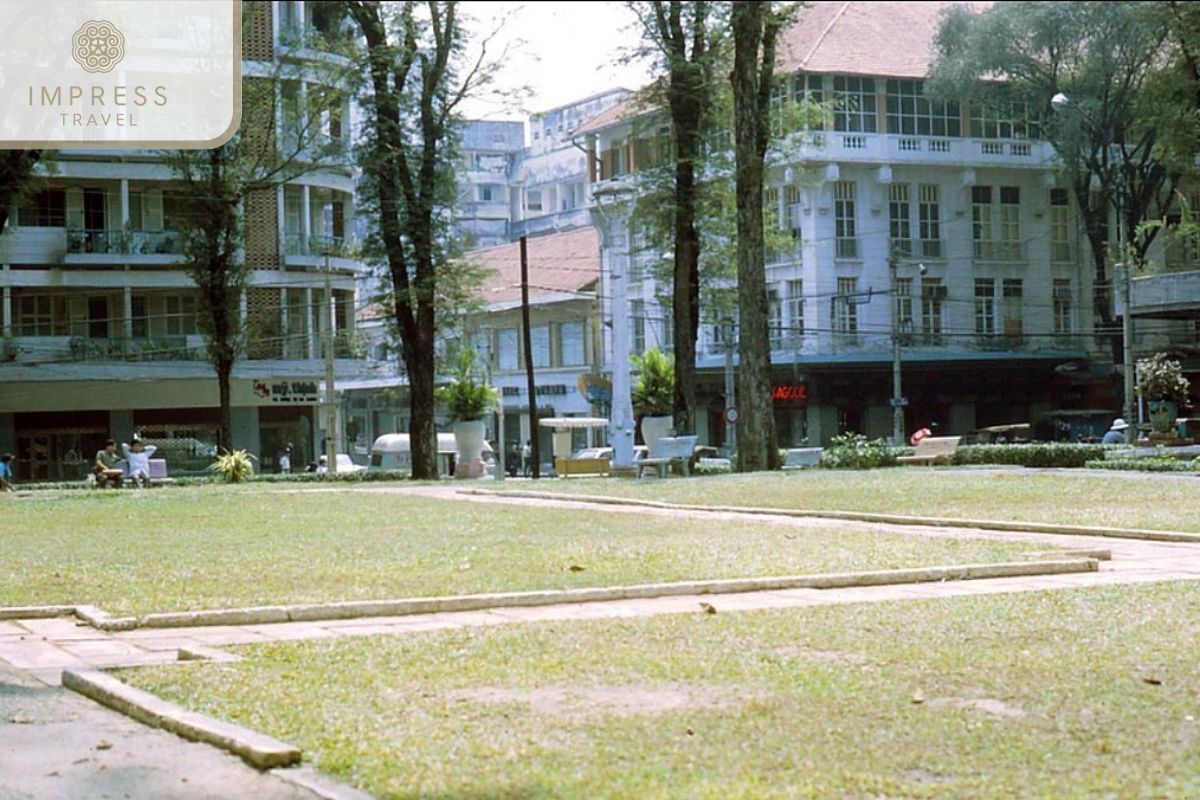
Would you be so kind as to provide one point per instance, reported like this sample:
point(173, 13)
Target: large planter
point(1162, 415)
point(468, 442)
point(655, 428)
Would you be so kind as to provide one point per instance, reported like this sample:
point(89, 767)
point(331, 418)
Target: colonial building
point(944, 225)
point(99, 318)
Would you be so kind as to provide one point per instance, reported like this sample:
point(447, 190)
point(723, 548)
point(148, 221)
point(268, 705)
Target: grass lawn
point(213, 547)
point(1065, 694)
point(1072, 498)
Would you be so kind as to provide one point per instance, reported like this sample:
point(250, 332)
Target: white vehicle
point(640, 451)
point(393, 451)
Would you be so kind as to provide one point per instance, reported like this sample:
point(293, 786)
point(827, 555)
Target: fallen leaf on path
point(1153, 681)
point(708, 608)
point(576, 568)
point(104, 745)
point(918, 697)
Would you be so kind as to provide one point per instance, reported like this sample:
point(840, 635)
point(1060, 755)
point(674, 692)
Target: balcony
point(311, 251)
point(1000, 342)
point(99, 246)
point(888, 148)
point(999, 251)
point(932, 249)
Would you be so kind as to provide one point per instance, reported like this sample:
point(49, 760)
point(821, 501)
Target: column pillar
point(127, 312)
point(306, 222)
point(312, 334)
point(124, 202)
point(283, 320)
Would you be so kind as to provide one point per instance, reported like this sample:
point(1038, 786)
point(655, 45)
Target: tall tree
point(685, 39)
point(756, 25)
point(415, 82)
point(16, 169)
point(1103, 57)
point(272, 146)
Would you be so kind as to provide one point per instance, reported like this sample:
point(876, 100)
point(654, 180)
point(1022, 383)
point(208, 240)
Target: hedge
point(1153, 464)
point(1049, 454)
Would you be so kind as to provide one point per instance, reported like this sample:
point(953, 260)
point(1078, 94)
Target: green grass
point(1072, 498)
point(1065, 694)
point(217, 547)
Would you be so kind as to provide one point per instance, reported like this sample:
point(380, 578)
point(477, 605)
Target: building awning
point(573, 422)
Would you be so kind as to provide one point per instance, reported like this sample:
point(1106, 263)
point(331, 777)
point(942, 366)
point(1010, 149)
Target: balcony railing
point(118, 241)
point(998, 342)
point(166, 348)
point(995, 250)
point(297, 244)
point(1181, 253)
point(847, 248)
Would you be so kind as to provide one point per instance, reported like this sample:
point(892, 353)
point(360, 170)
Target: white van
point(393, 451)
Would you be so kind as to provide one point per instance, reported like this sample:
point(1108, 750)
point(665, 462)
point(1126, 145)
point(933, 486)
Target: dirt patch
point(589, 701)
point(988, 705)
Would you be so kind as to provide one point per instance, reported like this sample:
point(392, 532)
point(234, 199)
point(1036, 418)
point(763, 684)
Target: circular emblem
point(732, 415)
point(98, 46)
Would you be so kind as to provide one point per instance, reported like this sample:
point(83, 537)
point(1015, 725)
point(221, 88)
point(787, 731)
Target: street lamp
point(898, 400)
point(1059, 102)
point(611, 210)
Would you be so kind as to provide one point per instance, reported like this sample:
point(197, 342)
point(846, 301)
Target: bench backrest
point(674, 447)
point(158, 468)
point(938, 445)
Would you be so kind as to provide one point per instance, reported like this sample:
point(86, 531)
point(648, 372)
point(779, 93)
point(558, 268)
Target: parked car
point(393, 451)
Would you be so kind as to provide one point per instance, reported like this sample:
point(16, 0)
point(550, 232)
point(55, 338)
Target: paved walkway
point(64, 730)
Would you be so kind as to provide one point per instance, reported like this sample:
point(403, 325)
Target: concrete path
point(51, 750)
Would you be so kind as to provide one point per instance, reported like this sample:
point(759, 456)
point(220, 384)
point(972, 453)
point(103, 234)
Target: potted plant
point(1162, 384)
point(467, 400)
point(653, 393)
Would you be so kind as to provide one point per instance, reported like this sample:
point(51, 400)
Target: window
point(1013, 291)
point(668, 324)
point(533, 200)
point(1060, 226)
point(933, 296)
point(637, 309)
point(985, 306)
point(774, 317)
point(791, 202)
point(1010, 222)
point(904, 304)
point(46, 209)
point(930, 220)
point(487, 193)
point(1063, 317)
point(795, 294)
point(910, 114)
point(481, 343)
point(570, 336)
point(854, 104)
point(843, 205)
point(140, 319)
point(539, 342)
point(506, 348)
point(35, 316)
point(995, 115)
point(981, 216)
point(846, 318)
point(900, 226)
point(806, 88)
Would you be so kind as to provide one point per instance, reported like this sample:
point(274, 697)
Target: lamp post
point(1121, 278)
point(330, 395)
point(898, 400)
point(728, 326)
point(611, 209)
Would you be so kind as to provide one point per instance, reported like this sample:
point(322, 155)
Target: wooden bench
point(933, 450)
point(581, 466)
point(666, 450)
point(158, 472)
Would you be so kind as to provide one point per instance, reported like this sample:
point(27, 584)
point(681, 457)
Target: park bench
point(666, 450)
point(582, 466)
point(803, 457)
point(158, 472)
point(933, 450)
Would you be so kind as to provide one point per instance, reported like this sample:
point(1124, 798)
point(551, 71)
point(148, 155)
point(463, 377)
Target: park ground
point(1077, 692)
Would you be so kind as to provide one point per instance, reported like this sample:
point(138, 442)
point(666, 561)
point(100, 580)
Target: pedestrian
point(6, 473)
point(1116, 433)
point(285, 460)
point(104, 466)
point(322, 465)
point(527, 458)
point(138, 455)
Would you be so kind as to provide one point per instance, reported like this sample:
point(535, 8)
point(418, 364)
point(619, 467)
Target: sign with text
point(119, 73)
point(795, 394)
point(287, 391)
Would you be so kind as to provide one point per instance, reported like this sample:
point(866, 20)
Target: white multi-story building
point(99, 318)
point(950, 218)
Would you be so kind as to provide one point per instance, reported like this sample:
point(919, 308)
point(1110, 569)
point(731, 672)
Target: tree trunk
point(685, 302)
point(422, 433)
point(224, 367)
point(753, 38)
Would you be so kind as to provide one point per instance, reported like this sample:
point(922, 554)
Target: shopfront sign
point(287, 391)
point(793, 394)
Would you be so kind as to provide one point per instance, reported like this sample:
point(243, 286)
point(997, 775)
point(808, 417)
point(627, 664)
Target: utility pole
point(730, 390)
point(897, 389)
point(1121, 273)
point(533, 420)
point(330, 403)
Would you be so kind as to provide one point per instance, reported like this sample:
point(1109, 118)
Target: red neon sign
point(795, 393)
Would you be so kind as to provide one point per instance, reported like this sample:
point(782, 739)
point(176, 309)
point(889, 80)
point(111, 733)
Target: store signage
point(290, 392)
point(554, 388)
point(795, 394)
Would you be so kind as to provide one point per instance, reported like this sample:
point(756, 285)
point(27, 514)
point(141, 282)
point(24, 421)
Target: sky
point(562, 51)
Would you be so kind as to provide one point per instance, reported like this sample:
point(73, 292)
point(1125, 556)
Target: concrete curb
point(35, 612)
point(101, 619)
point(477, 602)
point(323, 787)
point(256, 749)
point(856, 516)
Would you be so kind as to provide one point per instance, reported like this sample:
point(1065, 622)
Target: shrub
point(1160, 378)
point(361, 476)
point(855, 451)
point(707, 467)
point(654, 387)
point(464, 397)
point(1049, 454)
point(235, 467)
point(1154, 464)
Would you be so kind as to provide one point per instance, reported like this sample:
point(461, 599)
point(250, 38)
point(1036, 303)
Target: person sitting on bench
point(104, 467)
point(138, 456)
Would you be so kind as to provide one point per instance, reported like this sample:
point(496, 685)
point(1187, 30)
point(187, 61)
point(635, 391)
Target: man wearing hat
point(1116, 434)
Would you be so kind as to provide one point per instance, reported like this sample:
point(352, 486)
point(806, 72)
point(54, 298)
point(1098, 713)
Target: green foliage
point(1049, 454)
point(234, 466)
point(1161, 378)
point(1155, 464)
point(358, 476)
point(855, 451)
point(654, 383)
point(466, 398)
point(708, 468)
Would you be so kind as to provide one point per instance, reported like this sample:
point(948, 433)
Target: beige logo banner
point(119, 73)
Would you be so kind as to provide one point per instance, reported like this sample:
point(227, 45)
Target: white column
point(6, 319)
point(312, 339)
point(127, 314)
point(283, 320)
point(306, 211)
point(621, 423)
point(124, 202)
point(281, 213)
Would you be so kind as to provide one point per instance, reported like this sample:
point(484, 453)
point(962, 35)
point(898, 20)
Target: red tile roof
point(558, 263)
